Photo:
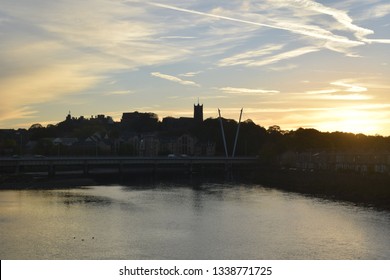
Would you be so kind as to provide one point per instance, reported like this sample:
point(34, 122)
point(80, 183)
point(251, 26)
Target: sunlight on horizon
point(291, 60)
point(352, 121)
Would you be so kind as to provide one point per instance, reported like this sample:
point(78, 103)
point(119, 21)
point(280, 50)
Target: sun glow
point(353, 121)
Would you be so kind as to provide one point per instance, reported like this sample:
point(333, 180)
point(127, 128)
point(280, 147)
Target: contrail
point(306, 32)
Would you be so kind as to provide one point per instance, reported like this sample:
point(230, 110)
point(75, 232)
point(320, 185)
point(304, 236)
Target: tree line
point(253, 139)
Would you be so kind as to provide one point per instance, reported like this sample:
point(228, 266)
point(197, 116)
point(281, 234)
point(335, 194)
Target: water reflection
point(165, 221)
point(70, 199)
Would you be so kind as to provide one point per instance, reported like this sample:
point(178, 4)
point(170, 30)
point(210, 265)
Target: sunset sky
point(292, 63)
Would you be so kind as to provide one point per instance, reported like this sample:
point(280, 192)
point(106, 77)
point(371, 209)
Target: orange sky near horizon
point(317, 64)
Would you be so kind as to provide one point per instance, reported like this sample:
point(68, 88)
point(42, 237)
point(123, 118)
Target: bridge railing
point(114, 160)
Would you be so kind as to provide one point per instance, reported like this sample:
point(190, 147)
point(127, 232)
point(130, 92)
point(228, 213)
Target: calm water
point(211, 221)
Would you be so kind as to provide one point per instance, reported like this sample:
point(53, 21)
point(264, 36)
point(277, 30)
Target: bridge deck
point(11, 161)
point(52, 165)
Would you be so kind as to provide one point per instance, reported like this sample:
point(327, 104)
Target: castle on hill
point(137, 119)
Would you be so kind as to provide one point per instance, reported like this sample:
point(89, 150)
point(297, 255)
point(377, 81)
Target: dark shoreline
point(23, 182)
point(369, 190)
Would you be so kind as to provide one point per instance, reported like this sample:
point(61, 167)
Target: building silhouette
point(184, 123)
point(198, 113)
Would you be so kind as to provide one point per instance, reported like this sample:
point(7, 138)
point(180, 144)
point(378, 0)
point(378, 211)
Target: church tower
point(68, 117)
point(198, 113)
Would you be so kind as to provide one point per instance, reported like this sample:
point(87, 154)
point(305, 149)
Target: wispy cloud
point(246, 91)
point(322, 91)
point(261, 58)
point(190, 74)
point(347, 97)
point(382, 41)
point(66, 52)
point(249, 57)
point(349, 87)
point(64, 48)
point(283, 67)
point(174, 79)
point(40, 86)
point(341, 90)
point(177, 37)
point(120, 92)
point(345, 22)
point(377, 11)
point(306, 30)
point(286, 55)
point(340, 16)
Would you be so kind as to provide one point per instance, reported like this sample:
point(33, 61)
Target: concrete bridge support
point(51, 170)
point(85, 168)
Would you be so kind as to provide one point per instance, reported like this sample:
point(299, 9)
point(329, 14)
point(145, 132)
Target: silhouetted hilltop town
point(143, 135)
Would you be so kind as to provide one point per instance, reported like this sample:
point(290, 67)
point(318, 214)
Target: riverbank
point(372, 190)
point(26, 181)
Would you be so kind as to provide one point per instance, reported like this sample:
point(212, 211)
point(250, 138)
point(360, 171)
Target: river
point(179, 221)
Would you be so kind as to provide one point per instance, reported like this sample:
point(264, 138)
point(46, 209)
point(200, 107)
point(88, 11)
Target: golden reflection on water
point(214, 221)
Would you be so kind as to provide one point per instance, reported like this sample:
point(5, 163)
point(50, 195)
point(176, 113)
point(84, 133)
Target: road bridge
point(123, 165)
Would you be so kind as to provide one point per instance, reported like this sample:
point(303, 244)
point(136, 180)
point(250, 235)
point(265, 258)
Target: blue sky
point(292, 63)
